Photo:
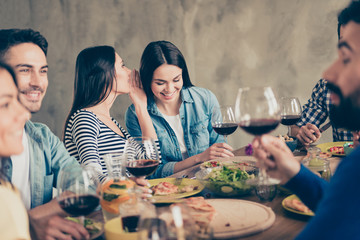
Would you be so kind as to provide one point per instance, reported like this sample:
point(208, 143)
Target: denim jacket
point(47, 157)
point(195, 114)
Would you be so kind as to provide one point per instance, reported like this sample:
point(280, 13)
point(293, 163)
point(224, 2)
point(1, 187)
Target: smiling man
point(336, 204)
point(35, 170)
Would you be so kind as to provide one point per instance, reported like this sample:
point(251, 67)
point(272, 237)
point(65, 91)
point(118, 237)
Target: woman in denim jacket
point(180, 112)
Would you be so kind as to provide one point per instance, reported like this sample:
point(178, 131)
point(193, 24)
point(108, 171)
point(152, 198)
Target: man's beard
point(347, 113)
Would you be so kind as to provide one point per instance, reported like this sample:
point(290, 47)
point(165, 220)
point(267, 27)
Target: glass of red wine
point(223, 121)
point(257, 111)
point(142, 156)
point(77, 191)
point(290, 111)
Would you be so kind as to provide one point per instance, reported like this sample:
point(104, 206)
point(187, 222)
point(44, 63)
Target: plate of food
point(237, 161)
point(293, 204)
point(169, 190)
point(95, 228)
point(334, 148)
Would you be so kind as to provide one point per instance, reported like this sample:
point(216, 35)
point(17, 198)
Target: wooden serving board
point(238, 218)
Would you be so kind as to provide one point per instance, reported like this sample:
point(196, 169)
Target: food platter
point(175, 197)
point(325, 147)
point(240, 161)
point(291, 197)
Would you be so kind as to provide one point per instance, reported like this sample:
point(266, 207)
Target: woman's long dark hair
point(157, 54)
point(94, 78)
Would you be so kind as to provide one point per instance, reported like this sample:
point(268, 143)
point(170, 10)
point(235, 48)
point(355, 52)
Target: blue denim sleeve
point(308, 187)
point(213, 102)
point(132, 122)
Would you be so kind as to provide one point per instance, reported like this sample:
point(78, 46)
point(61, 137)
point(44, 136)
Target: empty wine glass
point(223, 121)
point(290, 111)
point(77, 191)
point(257, 112)
point(142, 156)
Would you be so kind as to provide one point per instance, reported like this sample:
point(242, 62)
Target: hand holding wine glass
point(223, 121)
point(77, 191)
point(257, 112)
point(290, 111)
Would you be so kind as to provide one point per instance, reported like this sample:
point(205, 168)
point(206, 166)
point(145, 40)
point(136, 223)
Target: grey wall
point(227, 43)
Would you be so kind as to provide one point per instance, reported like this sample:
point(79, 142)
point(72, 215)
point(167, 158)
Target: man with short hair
point(317, 109)
point(35, 171)
point(336, 204)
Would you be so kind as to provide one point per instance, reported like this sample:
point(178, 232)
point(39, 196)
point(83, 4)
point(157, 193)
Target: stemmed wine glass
point(142, 156)
point(150, 226)
point(290, 111)
point(223, 121)
point(257, 112)
point(77, 191)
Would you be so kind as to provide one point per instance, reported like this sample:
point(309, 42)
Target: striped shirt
point(317, 110)
point(88, 139)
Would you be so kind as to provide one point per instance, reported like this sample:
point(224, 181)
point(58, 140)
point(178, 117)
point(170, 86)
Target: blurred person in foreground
point(317, 109)
point(336, 204)
point(14, 223)
point(35, 169)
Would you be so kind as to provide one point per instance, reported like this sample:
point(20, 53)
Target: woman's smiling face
point(167, 83)
point(13, 116)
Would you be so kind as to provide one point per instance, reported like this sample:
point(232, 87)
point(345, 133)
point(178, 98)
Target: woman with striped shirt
point(90, 132)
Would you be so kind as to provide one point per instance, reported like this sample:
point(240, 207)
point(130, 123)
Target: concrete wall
point(227, 43)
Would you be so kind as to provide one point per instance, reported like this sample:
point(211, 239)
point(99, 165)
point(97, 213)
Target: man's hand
point(276, 157)
point(308, 134)
point(217, 150)
point(56, 227)
point(47, 222)
point(356, 137)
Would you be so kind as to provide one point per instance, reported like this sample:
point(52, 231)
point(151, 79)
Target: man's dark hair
point(351, 13)
point(9, 69)
point(13, 37)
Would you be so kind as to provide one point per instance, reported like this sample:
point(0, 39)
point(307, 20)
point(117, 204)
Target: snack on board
point(210, 164)
point(113, 193)
point(337, 150)
point(286, 138)
point(200, 210)
point(166, 188)
point(297, 205)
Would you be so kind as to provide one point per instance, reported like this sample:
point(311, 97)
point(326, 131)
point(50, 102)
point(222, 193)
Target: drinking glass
point(114, 189)
point(290, 111)
point(142, 156)
point(223, 121)
point(257, 112)
point(77, 191)
point(150, 226)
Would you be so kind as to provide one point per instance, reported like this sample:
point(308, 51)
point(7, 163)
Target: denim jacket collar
point(185, 98)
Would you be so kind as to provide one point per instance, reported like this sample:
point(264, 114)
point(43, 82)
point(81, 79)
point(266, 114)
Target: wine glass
point(290, 111)
point(77, 191)
point(142, 156)
point(223, 121)
point(150, 226)
point(257, 112)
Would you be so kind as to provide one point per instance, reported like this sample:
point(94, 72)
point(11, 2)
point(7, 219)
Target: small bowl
point(226, 189)
point(292, 144)
point(348, 148)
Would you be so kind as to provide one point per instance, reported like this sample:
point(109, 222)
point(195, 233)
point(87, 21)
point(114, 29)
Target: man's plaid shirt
point(317, 109)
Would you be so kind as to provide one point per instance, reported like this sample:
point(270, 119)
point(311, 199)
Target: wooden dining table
point(287, 225)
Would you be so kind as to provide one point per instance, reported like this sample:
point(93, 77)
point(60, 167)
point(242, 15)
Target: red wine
point(142, 167)
point(130, 223)
point(79, 205)
point(260, 126)
point(225, 128)
point(290, 119)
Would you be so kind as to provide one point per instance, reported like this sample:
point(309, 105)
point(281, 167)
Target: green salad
point(228, 181)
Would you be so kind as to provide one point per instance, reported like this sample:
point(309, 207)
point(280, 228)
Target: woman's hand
point(137, 94)
point(143, 185)
point(217, 150)
point(308, 134)
point(276, 157)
